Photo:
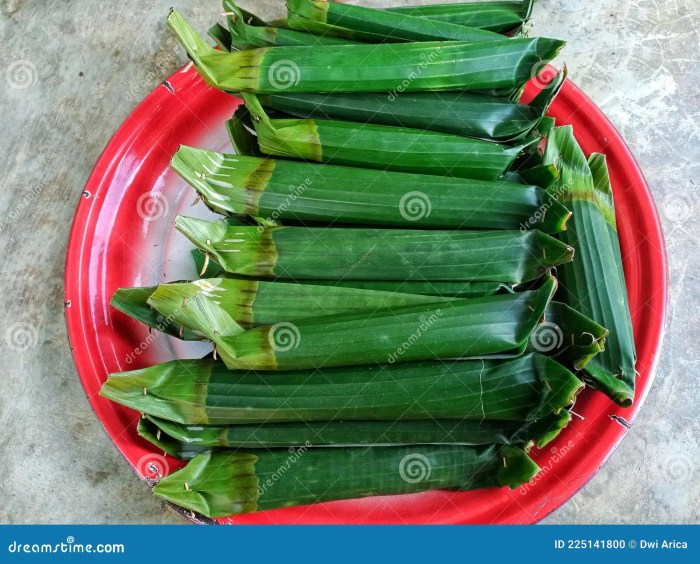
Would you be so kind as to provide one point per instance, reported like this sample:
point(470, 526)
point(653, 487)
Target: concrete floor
point(69, 71)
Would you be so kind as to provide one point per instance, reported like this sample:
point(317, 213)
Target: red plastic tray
point(123, 236)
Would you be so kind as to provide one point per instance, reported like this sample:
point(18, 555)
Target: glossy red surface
point(122, 236)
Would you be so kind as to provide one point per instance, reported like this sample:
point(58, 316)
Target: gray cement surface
point(72, 71)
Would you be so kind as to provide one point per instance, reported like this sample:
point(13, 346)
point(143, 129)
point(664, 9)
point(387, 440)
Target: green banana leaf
point(228, 483)
point(459, 113)
point(382, 147)
point(244, 35)
point(568, 336)
point(510, 257)
point(594, 282)
point(210, 268)
point(187, 441)
point(134, 303)
point(221, 36)
point(201, 306)
point(382, 68)
point(501, 17)
point(242, 138)
point(279, 189)
point(360, 23)
point(497, 325)
point(203, 392)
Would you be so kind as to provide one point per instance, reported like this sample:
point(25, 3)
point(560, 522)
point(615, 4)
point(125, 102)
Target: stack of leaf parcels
point(381, 291)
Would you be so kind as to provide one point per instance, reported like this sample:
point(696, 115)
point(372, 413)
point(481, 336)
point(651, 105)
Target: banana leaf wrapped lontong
point(497, 325)
point(246, 31)
point(207, 267)
point(458, 112)
point(193, 310)
point(231, 483)
point(595, 282)
point(204, 392)
point(501, 17)
point(369, 25)
point(185, 441)
point(280, 189)
point(510, 257)
point(526, 389)
point(369, 68)
point(382, 147)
